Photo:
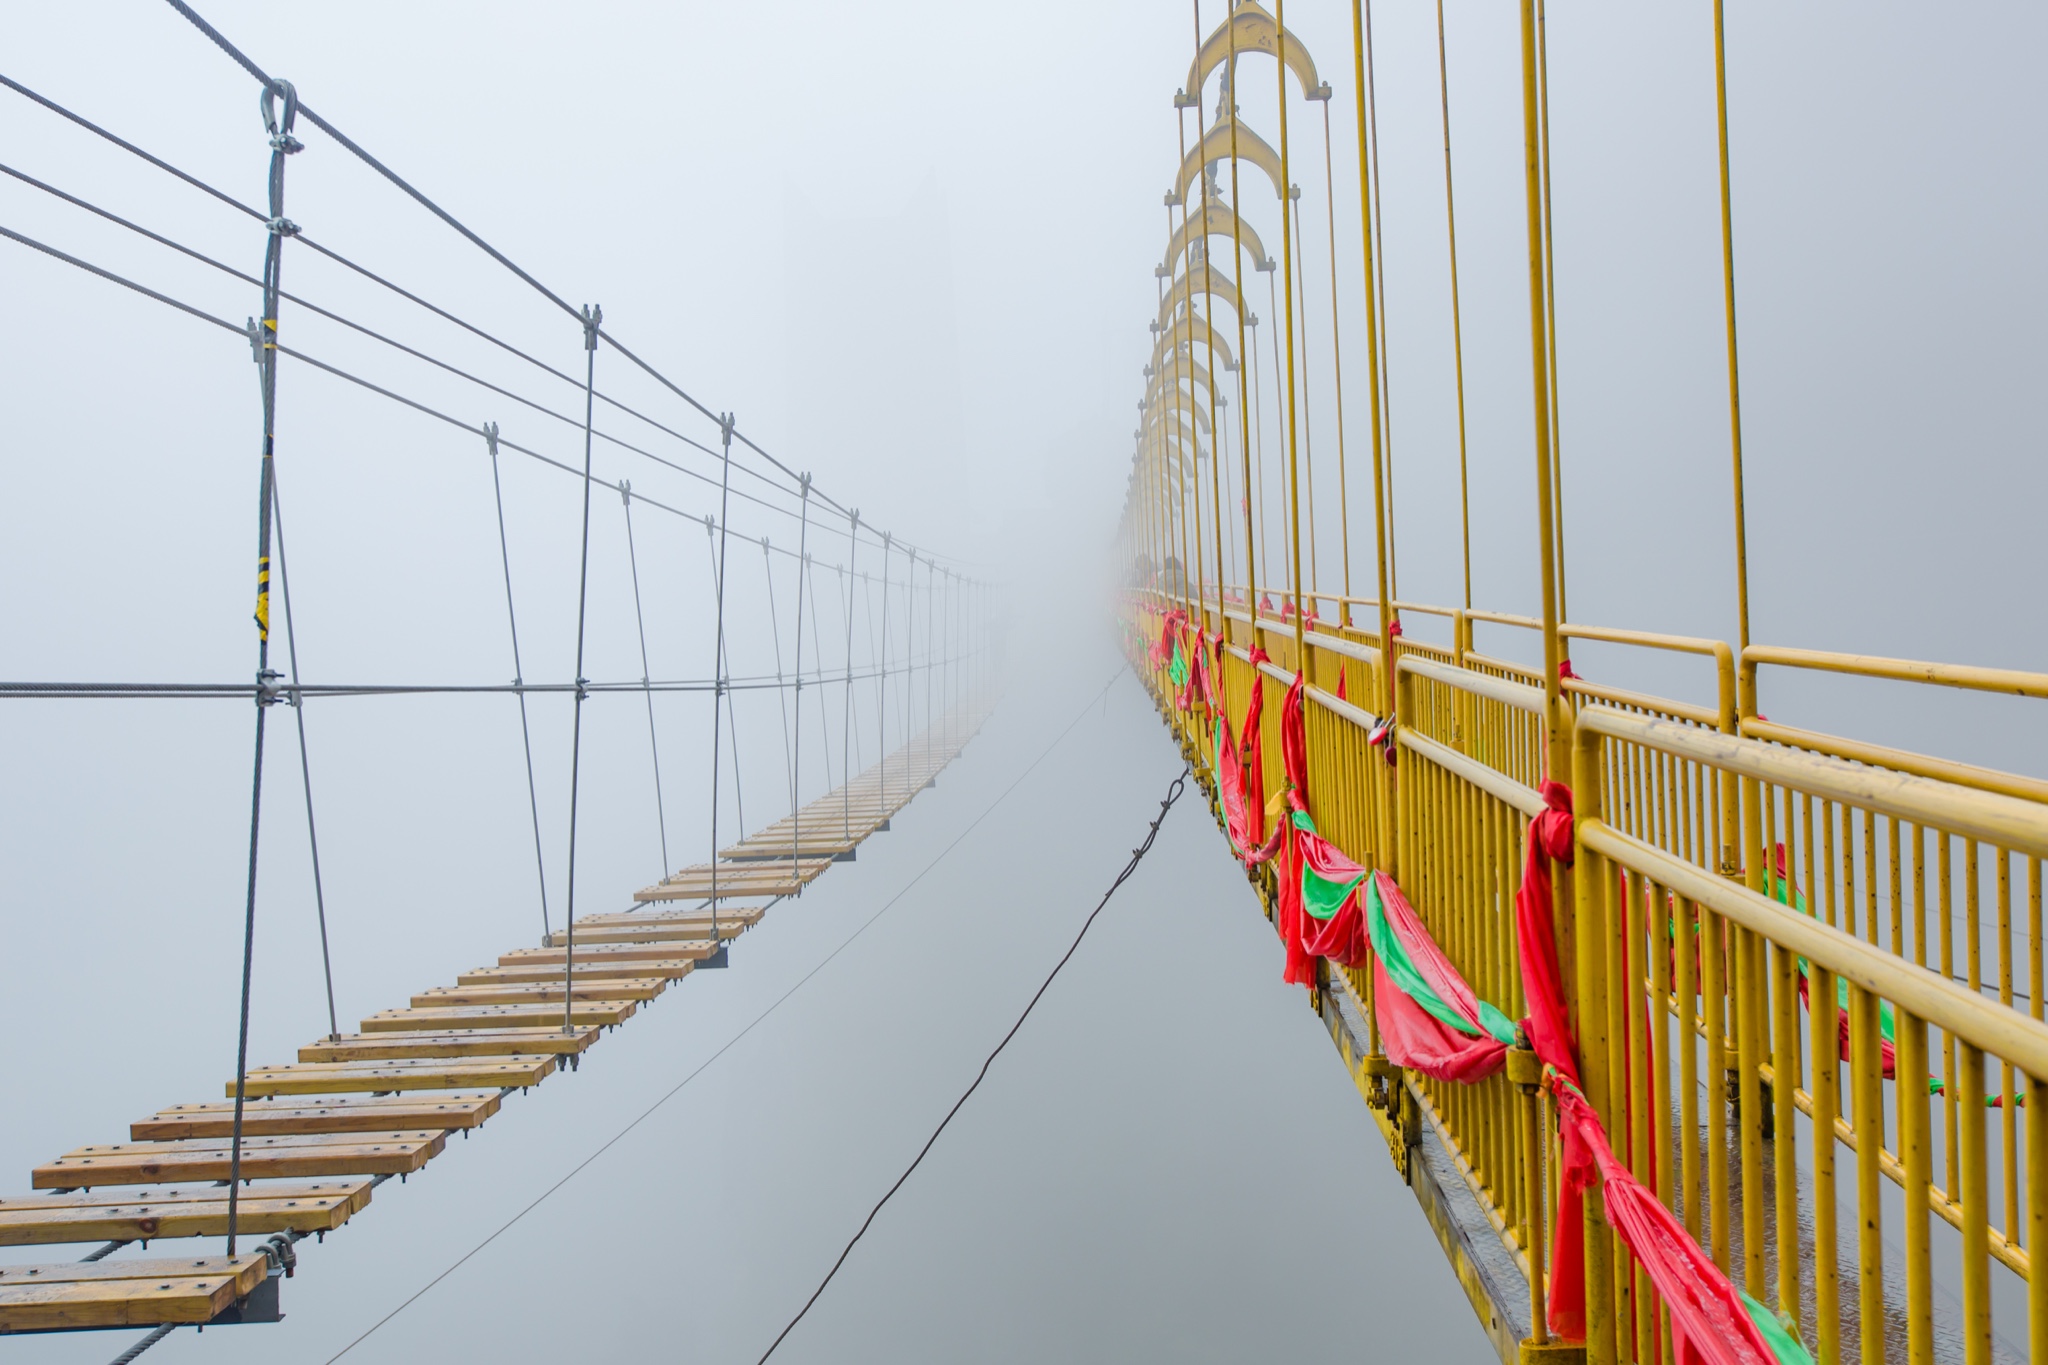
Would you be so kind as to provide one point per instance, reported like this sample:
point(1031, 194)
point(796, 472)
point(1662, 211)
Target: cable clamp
point(582, 688)
point(490, 430)
point(593, 318)
point(725, 426)
point(255, 335)
point(268, 693)
point(626, 491)
point(286, 143)
point(281, 1254)
point(282, 227)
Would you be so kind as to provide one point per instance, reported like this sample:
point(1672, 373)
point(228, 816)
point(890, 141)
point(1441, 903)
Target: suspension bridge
point(1694, 1034)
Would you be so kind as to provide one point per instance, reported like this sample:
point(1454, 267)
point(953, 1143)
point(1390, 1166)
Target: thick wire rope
point(1385, 378)
point(291, 640)
point(519, 680)
point(1166, 804)
point(1443, 76)
point(262, 337)
point(719, 667)
point(845, 943)
point(640, 621)
point(241, 59)
point(782, 695)
point(590, 317)
point(846, 727)
point(410, 296)
point(423, 408)
point(796, 764)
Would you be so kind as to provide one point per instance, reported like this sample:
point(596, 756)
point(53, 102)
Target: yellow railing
point(1814, 878)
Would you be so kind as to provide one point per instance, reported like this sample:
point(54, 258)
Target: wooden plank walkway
point(320, 1132)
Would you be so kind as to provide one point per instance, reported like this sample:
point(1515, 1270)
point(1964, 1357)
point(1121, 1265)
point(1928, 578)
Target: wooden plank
point(670, 969)
point(685, 933)
point(294, 1158)
point(540, 993)
point(126, 1293)
point(143, 1215)
point(341, 1078)
point(595, 953)
point(727, 914)
point(468, 1042)
point(601, 1013)
point(727, 888)
point(261, 1118)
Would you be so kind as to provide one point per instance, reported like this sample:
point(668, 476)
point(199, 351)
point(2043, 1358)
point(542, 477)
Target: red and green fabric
point(1430, 1018)
point(1321, 912)
point(1712, 1322)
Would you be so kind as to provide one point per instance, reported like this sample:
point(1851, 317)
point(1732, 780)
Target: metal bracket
point(490, 430)
point(1183, 100)
point(593, 318)
point(268, 693)
point(725, 425)
point(282, 227)
point(626, 491)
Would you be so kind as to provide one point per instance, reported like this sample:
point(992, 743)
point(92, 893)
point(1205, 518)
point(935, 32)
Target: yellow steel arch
point(1206, 281)
point(1215, 146)
point(1168, 401)
point(1193, 332)
point(1179, 368)
point(1214, 218)
point(1257, 31)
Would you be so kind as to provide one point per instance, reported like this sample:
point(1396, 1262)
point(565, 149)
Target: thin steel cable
point(1173, 793)
point(18, 88)
point(519, 680)
point(589, 316)
point(291, 639)
point(1385, 378)
point(640, 621)
point(846, 709)
point(719, 668)
point(156, 1335)
point(751, 1024)
point(775, 637)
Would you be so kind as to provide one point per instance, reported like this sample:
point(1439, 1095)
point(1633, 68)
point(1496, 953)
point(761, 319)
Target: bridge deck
point(319, 1133)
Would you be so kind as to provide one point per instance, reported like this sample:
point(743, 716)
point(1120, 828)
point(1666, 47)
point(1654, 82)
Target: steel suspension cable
point(519, 678)
point(298, 705)
point(590, 316)
point(1308, 442)
point(775, 636)
point(1728, 302)
point(1550, 304)
point(1443, 77)
point(1337, 368)
point(1228, 94)
point(719, 668)
point(1287, 254)
point(1384, 377)
point(846, 709)
point(264, 340)
point(646, 676)
point(882, 692)
point(796, 762)
point(1361, 95)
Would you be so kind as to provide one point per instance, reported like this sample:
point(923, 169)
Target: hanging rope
point(298, 705)
point(518, 678)
point(646, 680)
point(263, 340)
point(1457, 319)
point(796, 762)
point(591, 316)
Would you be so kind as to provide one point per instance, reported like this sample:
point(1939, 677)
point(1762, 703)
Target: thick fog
point(911, 250)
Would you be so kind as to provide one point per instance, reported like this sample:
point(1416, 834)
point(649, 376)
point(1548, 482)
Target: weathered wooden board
point(125, 1293)
point(260, 1118)
point(582, 1014)
point(670, 969)
point(727, 914)
point(290, 1158)
point(777, 883)
point(466, 1042)
point(540, 993)
point(684, 932)
point(142, 1215)
point(344, 1078)
point(595, 953)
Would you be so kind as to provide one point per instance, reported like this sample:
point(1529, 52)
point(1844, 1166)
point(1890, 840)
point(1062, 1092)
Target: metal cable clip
point(268, 693)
